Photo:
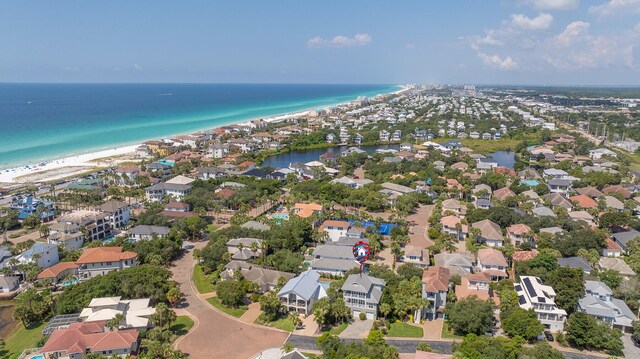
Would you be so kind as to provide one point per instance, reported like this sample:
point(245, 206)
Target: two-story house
point(492, 262)
point(97, 224)
point(80, 339)
point(519, 234)
point(453, 225)
point(333, 259)
point(335, 229)
point(102, 260)
point(44, 254)
point(118, 213)
point(435, 285)
point(301, 292)
point(599, 302)
point(146, 232)
point(490, 233)
point(362, 293)
point(66, 235)
point(532, 294)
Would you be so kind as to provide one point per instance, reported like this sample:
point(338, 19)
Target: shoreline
point(83, 162)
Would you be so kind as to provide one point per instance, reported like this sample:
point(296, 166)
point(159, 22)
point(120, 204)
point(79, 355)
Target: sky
point(536, 42)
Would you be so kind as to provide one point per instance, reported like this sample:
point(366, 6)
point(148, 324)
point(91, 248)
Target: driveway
point(630, 350)
point(419, 222)
point(217, 335)
point(359, 329)
point(432, 329)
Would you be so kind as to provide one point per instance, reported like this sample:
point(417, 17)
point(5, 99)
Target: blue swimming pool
point(73, 280)
point(530, 183)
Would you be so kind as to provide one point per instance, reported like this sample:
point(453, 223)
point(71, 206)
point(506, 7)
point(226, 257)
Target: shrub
point(362, 316)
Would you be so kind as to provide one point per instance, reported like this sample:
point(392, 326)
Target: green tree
point(470, 315)
point(523, 323)
point(163, 316)
point(542, 350)
point(585, 332)
point(271, 306)
point(375, 338)
point(230, 292)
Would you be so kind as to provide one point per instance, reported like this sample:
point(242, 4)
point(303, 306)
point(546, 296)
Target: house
point(118, 213)
point(97, 224)
point(492, 262)
point(557, 200)
point(44, 254)
point(622, 238)
point(301, 292)
point(58, 272)
point(584, 216)
point(415, 255)
point(583, 201)
point(543, 211)
point(590, 192)
point(80, 339)
point(576, 263)
point(453, 225)
point(551, 173)
point(396, 188)
point(102, 260)
point(9, 284)
point(126, 175)
point(532, 294)
point(503, 194)
point(519, 234)
point(598, 153)
point(490, 233)
point(482, 191)
point(476, 284)
point(599, 302)
point(353, 183)
point(243, 248)
point(559, 185)
point(333, 259)
point(435, 285)
point(384, 136)
point(614, 203)
point(217, 150)
point(145, 232)
point(265, 278)
point(65, 235)
point(256, 226)
point(135, 312)
point(32, 205)
point(306, 210)
point(362, 294)
point(612, 248)
point(453, 205)
point(626, 194)
point(616, 264)
point(335, 229)
point(161, 190)
point(457, 263)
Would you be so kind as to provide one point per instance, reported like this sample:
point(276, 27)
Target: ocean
point(40, 122)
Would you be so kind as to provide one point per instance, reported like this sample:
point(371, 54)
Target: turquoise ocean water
point(41, 122)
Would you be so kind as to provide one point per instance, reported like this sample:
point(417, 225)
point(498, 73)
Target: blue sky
point(553, 42)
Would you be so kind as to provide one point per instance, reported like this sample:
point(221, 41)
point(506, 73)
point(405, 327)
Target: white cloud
point(541, 22)
point(613, 7)
point(574, 31)
point(340, 41)
point(554, 4)
point(137, 67)
point(498, 62)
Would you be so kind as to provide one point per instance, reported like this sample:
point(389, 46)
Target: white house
point(534, 295)
point(301, 292)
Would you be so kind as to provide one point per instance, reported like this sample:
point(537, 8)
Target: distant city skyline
point(523, 42)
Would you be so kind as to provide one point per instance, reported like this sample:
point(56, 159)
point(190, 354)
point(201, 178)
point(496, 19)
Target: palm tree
point(116, 322)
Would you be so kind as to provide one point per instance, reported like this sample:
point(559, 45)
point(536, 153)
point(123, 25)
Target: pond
point(504, 158)
point(283, 160)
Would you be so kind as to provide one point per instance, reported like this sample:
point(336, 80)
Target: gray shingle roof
point(305, 285)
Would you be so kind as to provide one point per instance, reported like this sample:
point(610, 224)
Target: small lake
point(504, 158)
point(284, 159)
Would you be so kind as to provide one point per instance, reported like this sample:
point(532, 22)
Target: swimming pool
point(73, 280)
point(530, 183)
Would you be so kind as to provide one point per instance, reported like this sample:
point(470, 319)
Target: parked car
point(635, 340)
point(549, 336)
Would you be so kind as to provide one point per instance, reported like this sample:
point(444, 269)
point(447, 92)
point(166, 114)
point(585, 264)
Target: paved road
point(408, 346)
point(216, 335)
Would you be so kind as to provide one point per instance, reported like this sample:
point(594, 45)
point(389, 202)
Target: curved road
point(216, 335)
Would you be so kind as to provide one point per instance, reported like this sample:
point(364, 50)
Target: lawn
point(448, 333)
point(236, 312)
point(22, 339)
point(182, 325)
point(203, 285)
point(336, 330)
point(212, 228)
point(283, 324)
point(401, 329)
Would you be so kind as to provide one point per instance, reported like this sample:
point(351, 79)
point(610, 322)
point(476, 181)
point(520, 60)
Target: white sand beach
point(68, 166)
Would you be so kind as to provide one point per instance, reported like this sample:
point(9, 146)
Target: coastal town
point(499, 223)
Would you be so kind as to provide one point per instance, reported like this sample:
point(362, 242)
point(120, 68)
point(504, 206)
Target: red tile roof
point(56, 269)
point(519, 229)
point(80, 337)
point(105, 254)
point(584, 201)
point(436, 279)
point(523, 256)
